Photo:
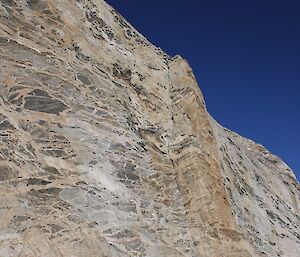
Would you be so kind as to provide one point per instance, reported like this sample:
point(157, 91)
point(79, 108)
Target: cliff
point(107, 149)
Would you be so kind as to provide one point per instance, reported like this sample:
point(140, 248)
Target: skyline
point(246, 59)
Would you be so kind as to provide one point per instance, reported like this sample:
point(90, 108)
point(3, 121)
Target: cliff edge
point(107, 149)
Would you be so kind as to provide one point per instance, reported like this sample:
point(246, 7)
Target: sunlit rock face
point(107, 149)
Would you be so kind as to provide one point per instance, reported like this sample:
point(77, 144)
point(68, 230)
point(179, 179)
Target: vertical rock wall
point(106, 148)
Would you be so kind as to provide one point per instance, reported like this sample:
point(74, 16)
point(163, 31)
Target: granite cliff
point(107, 149)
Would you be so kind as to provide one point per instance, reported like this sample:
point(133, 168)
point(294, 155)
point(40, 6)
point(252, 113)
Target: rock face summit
point(107, 149)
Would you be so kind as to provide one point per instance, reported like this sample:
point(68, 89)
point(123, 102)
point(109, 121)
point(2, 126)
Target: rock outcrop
point(107, 149)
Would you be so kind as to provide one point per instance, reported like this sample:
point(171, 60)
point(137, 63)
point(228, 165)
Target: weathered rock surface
point(107, 149)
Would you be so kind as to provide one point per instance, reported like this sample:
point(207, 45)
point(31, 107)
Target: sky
point(245, 55)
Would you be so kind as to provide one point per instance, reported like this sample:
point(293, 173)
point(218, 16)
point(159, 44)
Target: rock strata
point(107, 149)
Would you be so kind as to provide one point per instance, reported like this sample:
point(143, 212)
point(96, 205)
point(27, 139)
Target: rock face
point(107, 149)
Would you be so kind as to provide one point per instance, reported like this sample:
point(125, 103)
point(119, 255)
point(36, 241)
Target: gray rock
point(107, 149)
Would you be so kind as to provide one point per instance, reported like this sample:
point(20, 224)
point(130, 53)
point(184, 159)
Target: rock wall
point(107, 148)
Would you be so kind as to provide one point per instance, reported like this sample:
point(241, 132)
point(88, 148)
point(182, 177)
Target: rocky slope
point(107, 149)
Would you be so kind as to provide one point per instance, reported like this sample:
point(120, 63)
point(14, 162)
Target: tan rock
point(107, 148)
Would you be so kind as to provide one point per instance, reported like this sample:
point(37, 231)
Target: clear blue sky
point(245, 55)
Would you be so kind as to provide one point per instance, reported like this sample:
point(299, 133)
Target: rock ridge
point(107, 148)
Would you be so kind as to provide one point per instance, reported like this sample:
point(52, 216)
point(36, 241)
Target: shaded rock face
point(107, 148)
